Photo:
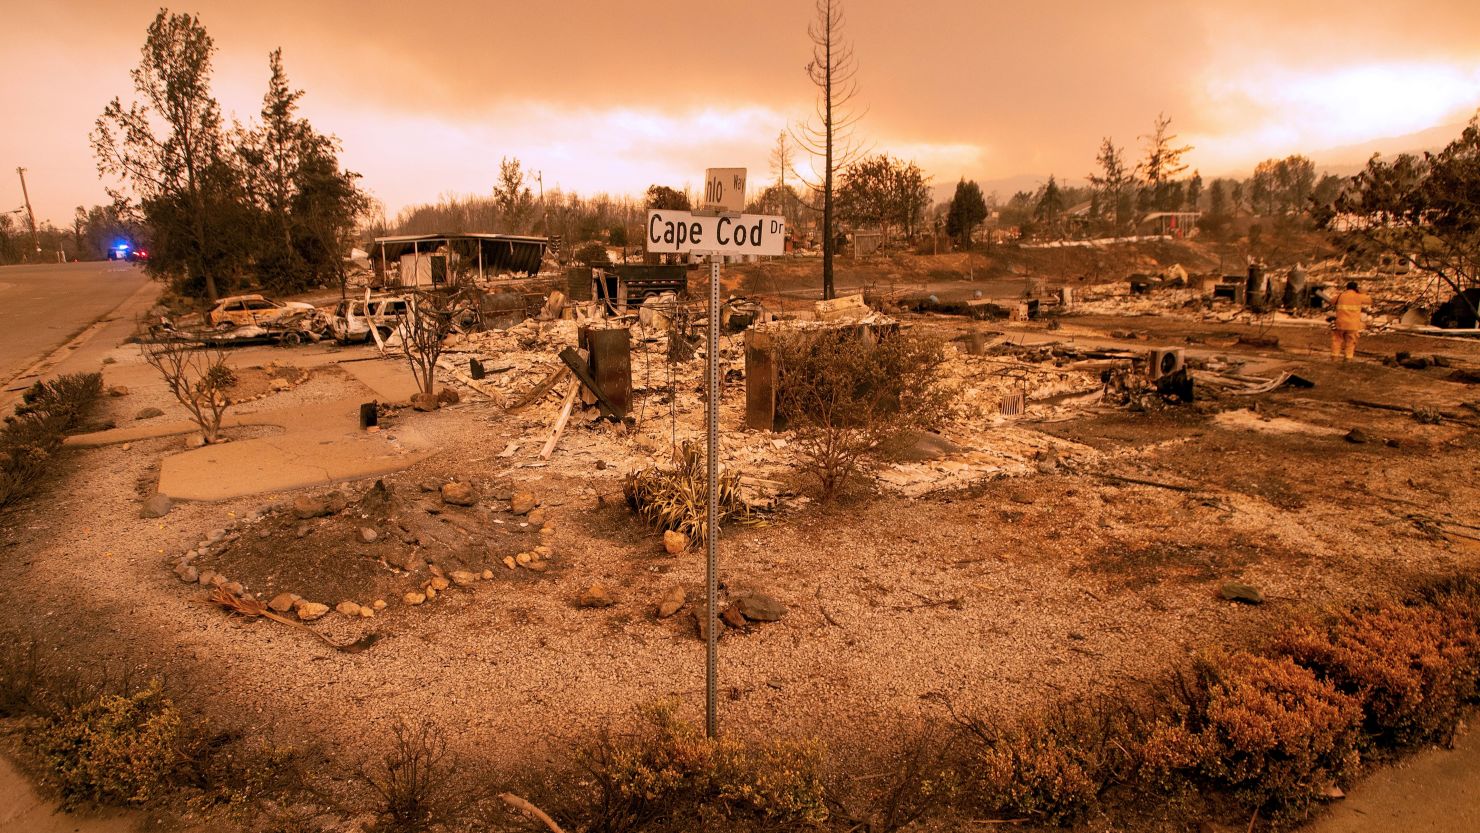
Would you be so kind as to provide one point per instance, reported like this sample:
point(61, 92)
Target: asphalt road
point(43, 306)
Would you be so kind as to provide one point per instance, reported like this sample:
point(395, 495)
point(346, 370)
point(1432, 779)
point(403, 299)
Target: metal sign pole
point(711, 514)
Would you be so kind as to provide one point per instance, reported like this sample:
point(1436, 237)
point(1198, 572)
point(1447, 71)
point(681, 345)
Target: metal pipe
point(711, 514)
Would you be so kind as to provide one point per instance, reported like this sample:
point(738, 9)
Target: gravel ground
point(1050, 583)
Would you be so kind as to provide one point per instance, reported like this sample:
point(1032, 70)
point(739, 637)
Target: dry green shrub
point(31, 438)
point(115, 748)
point(676, 498)
point(67, 399)
point(1266, 729)
point(847, 393)
point(1413, 668)
point(1050, 766)
point(669, 777)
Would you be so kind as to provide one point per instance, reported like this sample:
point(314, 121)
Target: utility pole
point(30, 215)
point(539, 176)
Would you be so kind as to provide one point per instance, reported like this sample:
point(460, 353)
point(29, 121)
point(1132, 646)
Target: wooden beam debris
point(560, 421)
point(539, 391)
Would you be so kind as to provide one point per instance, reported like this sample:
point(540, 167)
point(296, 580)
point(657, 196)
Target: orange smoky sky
point(612, 96)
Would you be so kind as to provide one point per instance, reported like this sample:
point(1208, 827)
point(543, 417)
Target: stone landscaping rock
point(378, 604)
point(207, 577)
point(413, 598)
point(156, 506)
point(195, 441)
point(1236, 591)
point(149, 413)
point(595, 596)
point(187, 573)
point(463, 578)
point(1357, 436)
point(732, 617)
point(674, 542)
point(438, 583)
point(522, 503)
point(486, 575)
point(700, 614)
point(117, 391)
point(235, 588)
point(760, 607)
point(309, 611)
point(459, 494)
point(448, 396)
point(283, 602)
point(368, 535)
point(671, 602)
point(425, 402)
point(509, 561)
point(348, 609)
point(536, 517)
point(336, 501)
point(307, 506)
point(279, 384)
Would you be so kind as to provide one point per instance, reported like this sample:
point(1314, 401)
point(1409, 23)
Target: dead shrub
point(22, 683)
point(1266, 729)
point(232, 770)
point(430, 318)
point(847, 394)
point(198, 377)
point(1050, 766)
point(669, 777)
point(916, 779)
point(412, 778)
point(115, 748)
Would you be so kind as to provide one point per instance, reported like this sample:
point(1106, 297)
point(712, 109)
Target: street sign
point(724, 189)
point(685, 231)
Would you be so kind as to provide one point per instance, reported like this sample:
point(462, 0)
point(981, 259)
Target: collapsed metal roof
point(495, 252)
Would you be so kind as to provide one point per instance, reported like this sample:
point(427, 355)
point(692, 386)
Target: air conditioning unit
point(1164, 361)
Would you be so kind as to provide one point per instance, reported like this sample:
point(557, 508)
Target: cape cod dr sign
point(745, 234)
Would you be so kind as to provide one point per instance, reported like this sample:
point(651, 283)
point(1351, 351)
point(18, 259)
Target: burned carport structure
point(434, 259)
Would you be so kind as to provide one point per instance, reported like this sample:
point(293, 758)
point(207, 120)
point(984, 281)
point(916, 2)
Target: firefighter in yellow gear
point(1348, 323)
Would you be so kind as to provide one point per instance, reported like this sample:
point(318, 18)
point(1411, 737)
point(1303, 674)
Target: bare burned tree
point(429, 319)
point(834, 72)
point(198, 377)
